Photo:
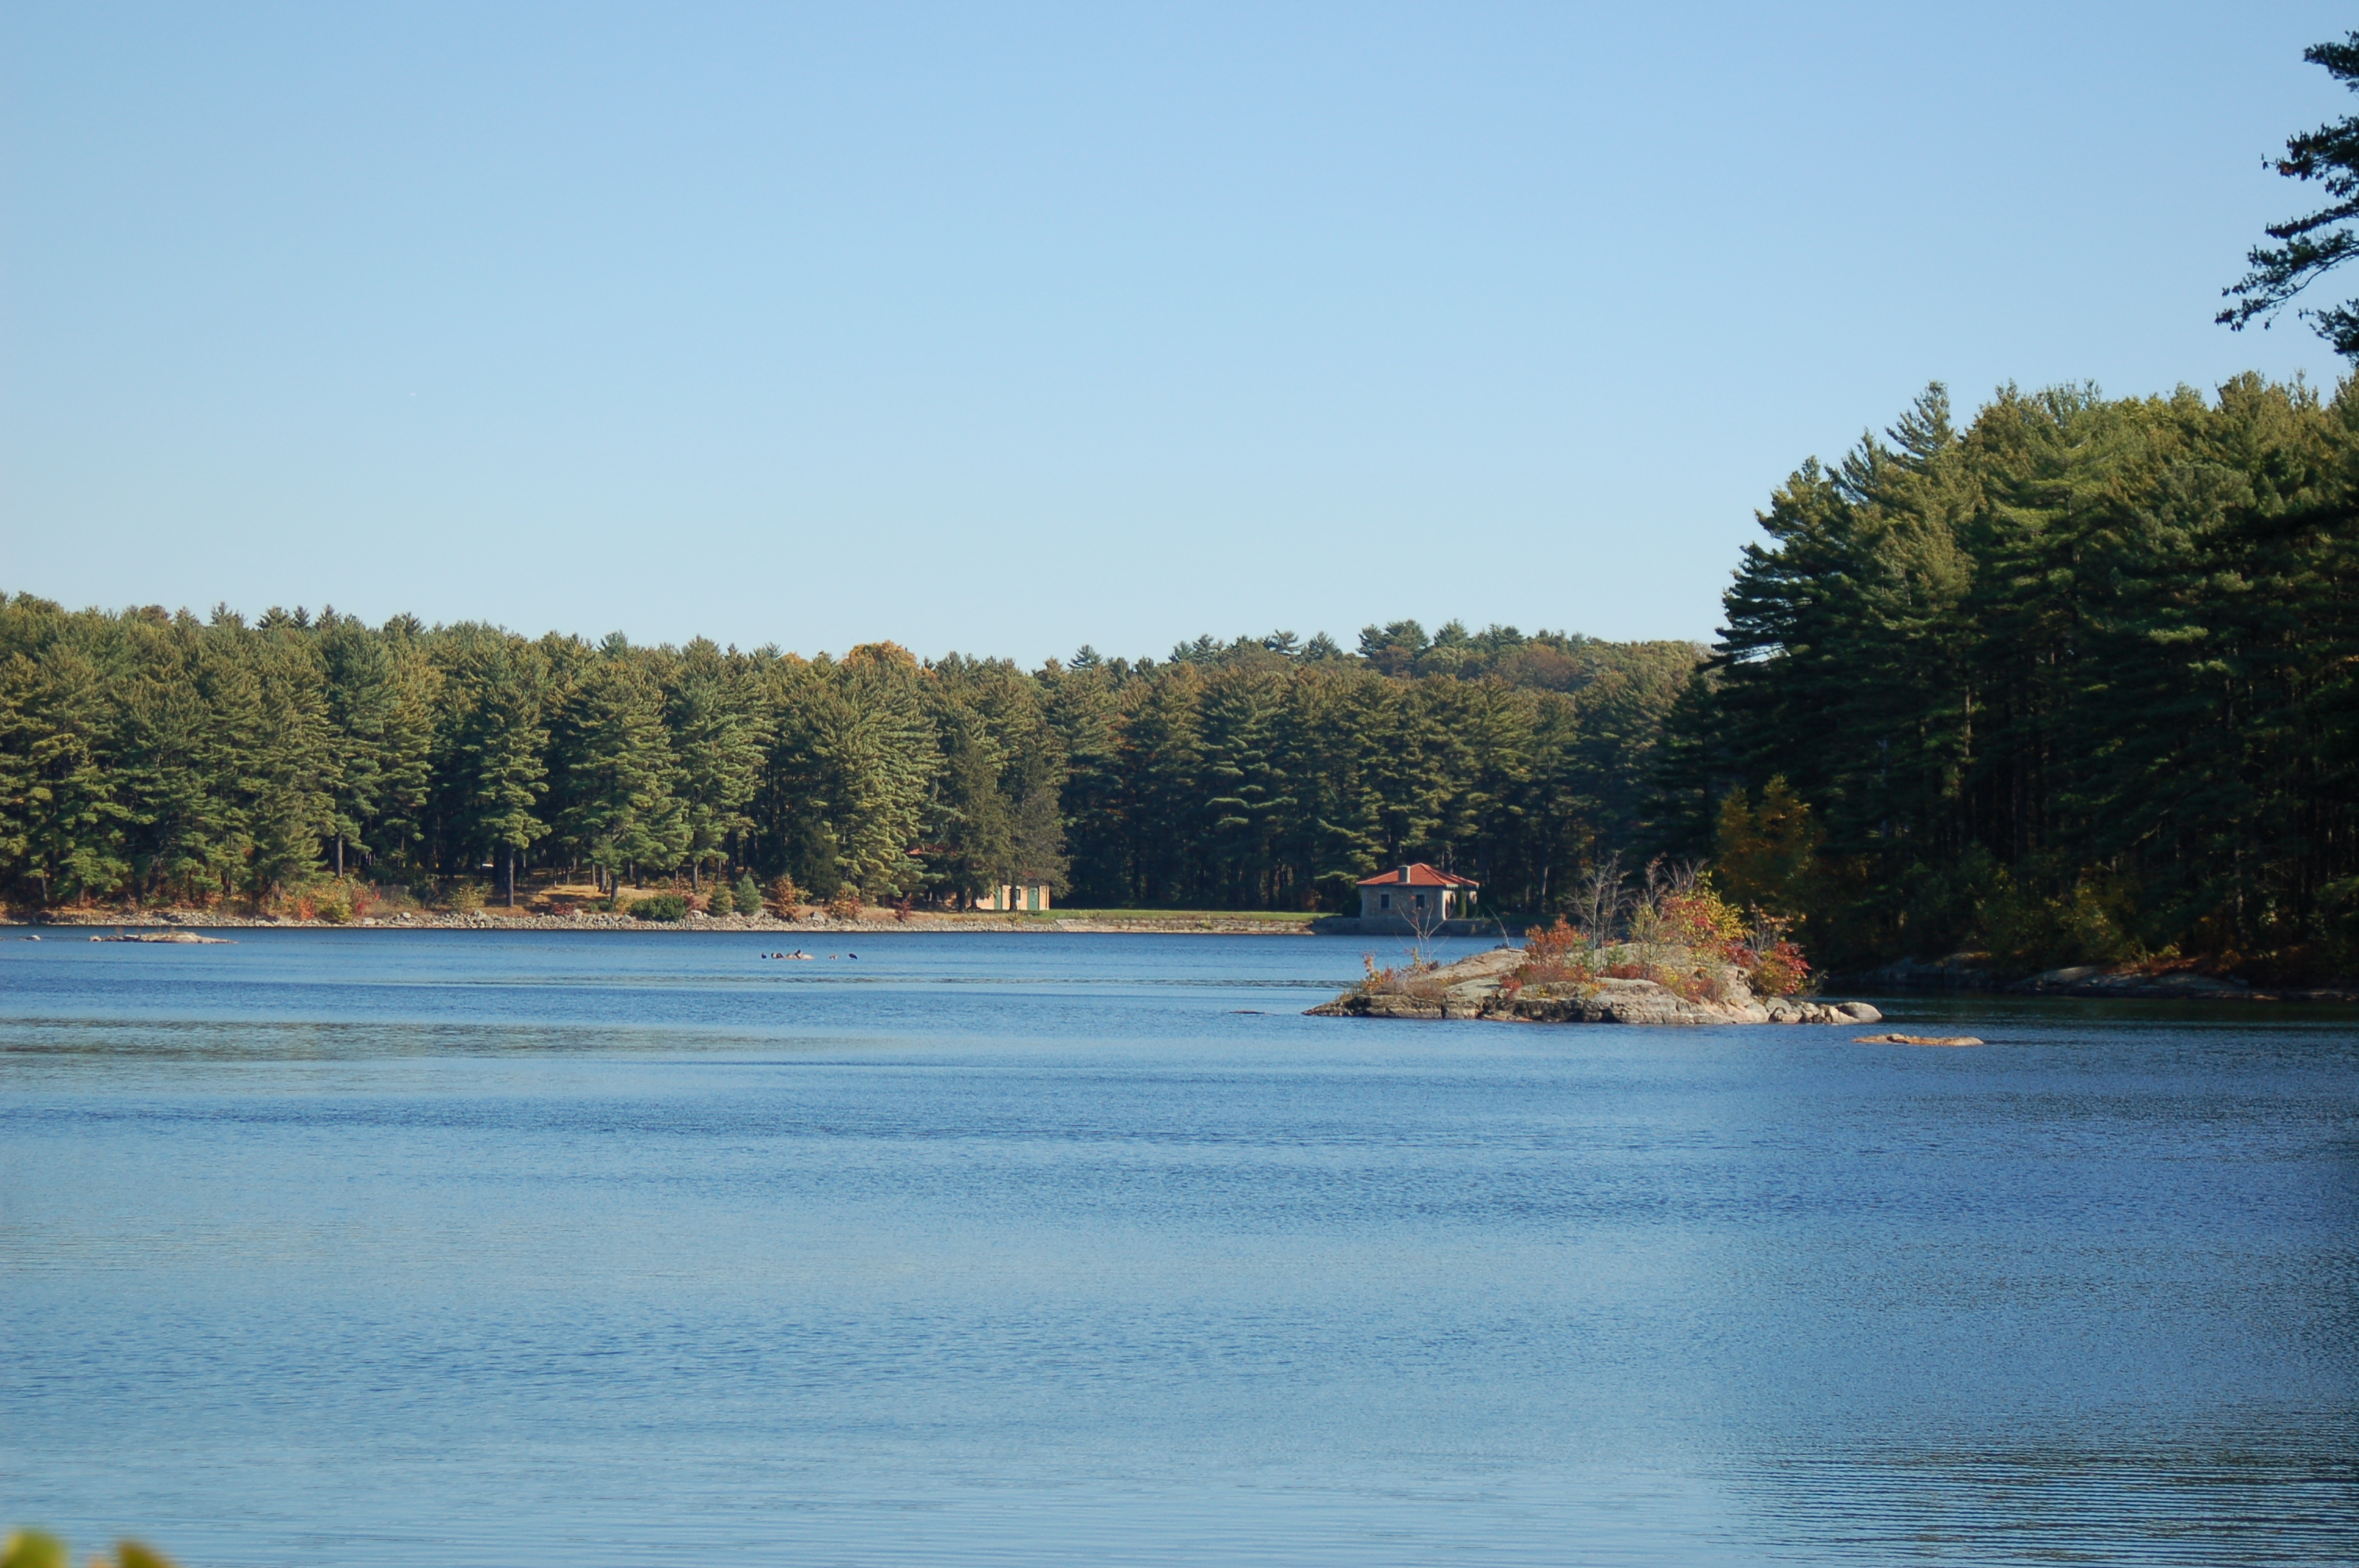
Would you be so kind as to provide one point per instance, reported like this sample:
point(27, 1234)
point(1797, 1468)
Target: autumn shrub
point(783, 897)
point(1768, 855)
point(1413, 978)
point(1690, 984)
point(1771, 962)
point(463, 897)
point(343, 900)
point(1698, 920)
point(845, 904)
point(1679, 933)
point(1561, 954)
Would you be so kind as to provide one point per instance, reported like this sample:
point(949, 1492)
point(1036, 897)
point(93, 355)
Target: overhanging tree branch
point(2310, 246)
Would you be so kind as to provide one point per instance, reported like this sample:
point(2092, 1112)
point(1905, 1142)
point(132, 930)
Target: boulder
point(1792, 1009)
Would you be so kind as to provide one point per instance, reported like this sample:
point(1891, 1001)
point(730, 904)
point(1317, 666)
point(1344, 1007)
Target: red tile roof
point(1418, 875)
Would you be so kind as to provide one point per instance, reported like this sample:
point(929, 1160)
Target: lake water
point(457, 1248)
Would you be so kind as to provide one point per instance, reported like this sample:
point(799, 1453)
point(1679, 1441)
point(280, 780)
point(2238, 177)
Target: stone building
point(1416, 894)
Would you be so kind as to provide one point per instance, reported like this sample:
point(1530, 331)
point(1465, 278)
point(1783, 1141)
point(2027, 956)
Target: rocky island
point(1624, 984)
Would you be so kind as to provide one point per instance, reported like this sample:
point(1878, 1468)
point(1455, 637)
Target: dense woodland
point(2073, 683)
point(152, 757)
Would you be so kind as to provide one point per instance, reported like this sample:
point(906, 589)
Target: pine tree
point(491, 751)
point(291, 812)
point(1246, 798)
point(718, 740)
point(2311, 245)
point(1081, 706)
point(1161, 753)
point(613, 775)
point(971, 822)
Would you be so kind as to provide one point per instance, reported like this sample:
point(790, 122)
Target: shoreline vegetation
point(2059, 700)
point(870, 920)
point(1670, 951)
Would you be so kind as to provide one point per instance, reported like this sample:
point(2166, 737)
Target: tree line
point(2071, 684)
point(152, 757)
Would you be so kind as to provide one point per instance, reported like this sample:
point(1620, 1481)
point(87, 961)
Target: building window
point(1384, 901)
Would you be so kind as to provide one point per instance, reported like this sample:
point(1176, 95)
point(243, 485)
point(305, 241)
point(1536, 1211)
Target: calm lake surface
point(455, 1249)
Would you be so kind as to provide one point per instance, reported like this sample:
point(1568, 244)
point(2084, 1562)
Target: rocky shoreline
point(2120, 982)
point(1482, 988)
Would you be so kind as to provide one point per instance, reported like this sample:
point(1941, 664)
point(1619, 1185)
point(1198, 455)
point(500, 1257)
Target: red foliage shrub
point(1779, 970)
point(1698, 921)
point(1556, 954)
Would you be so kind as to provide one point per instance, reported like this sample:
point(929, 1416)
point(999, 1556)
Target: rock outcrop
point(170, 936)
point(1957, 972)
point(1915, 1040)
point(2095, 980)
point(1481, 987)
point(2121, 982)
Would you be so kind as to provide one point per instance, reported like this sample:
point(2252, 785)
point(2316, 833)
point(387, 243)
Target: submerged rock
point(171, 936)
point(1483, 987)
point(1915, 1040)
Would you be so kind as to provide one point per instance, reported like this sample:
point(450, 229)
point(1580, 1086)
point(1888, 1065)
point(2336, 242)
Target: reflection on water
point(435, 1248)
point(2132, 1505)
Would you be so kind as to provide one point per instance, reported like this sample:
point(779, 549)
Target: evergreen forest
point(2072, 682)
point(148, 757)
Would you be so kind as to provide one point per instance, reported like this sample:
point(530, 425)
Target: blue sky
point(1007, 328)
